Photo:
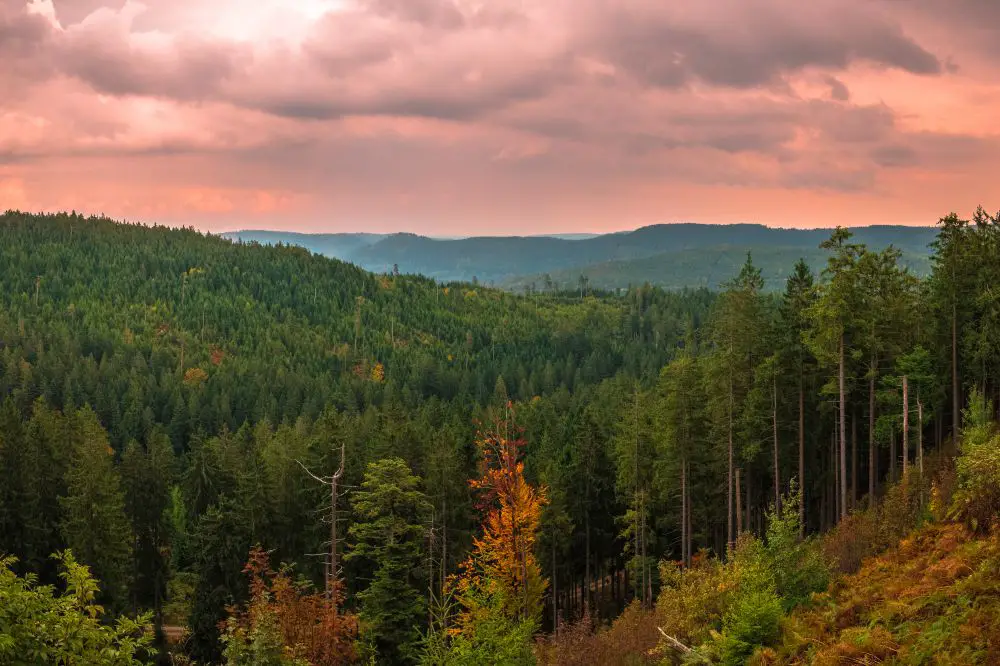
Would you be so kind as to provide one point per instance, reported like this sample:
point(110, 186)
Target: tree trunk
point(444, 539)
point(774, 420)
point(586, 574)
point(331, 583)
point(854, 458)
point(956, 413)
point(920, 438)
point(920, 447)
point(906, 426)
point(802, 458)
point(843, 433)
point(690, 539)
point(729, 491)
point(684, 535)
point(871, 440)
point(893, 457)
point(555, 590)
point(739, 505)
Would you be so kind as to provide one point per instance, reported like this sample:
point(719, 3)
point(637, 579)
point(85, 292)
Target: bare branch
point(323, 480)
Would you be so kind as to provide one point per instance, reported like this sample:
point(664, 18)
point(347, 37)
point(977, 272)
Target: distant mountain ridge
point(668, 255)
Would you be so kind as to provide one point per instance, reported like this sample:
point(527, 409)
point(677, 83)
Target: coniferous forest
point(229, 453)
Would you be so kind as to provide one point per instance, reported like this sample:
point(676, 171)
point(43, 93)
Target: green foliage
point(94, 523)
point(493, 637)
point(798, 564)
point(41, 626)
point(147, 474)
point(390, 514)
point(977, 500)
point(751, 621)
point(261, 645)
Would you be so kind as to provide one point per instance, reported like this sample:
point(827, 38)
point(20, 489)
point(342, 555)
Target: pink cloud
point(439, 116)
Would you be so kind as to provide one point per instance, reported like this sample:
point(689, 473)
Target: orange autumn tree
point(502, 566)
point(287, 624)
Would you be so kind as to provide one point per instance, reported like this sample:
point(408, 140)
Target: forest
point(673, 256)
point(217, 452)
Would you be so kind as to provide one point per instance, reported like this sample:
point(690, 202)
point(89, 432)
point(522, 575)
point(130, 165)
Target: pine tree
point(390, 517)
point(832, 317)
point(94, 523)
point(147, 473)
point(799, 296)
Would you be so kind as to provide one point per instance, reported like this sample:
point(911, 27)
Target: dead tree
point(332, 564)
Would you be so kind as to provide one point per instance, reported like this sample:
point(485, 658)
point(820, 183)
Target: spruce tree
point(390, 517)
point(94, 523)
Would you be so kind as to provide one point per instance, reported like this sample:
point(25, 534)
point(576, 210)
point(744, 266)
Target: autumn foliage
point(303, 625)
point(502, 564)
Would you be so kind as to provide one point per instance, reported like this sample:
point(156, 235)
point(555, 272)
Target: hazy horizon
point(462, 117)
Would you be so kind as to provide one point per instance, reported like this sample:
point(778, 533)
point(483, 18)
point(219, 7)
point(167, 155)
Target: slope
point(933, 599)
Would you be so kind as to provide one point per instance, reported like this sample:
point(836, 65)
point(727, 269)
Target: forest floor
point(932, 599)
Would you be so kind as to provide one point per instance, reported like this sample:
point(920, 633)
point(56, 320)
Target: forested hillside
point(458, 475)
point(666, 255)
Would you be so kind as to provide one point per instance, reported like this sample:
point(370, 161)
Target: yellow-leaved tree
point(500, 586)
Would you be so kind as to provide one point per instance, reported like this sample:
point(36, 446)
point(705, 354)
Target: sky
point(448, 117)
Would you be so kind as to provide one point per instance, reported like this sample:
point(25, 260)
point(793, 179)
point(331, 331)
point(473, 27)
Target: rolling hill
point(669, 255)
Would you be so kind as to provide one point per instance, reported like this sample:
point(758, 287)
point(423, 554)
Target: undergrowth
point(915, 580)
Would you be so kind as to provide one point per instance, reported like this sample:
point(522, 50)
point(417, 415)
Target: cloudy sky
point(500, 116)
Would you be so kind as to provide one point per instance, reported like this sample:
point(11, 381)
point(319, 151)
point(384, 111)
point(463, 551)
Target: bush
point(40, 626)
point(799, 566)
point(753, 620)
point(692, 601)
point(631, 640)
point(977, 500)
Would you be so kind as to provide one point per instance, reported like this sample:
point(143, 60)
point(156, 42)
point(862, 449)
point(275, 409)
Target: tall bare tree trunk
point(747, 488)
point(956, 413)
point(690, 539)
point(802, 457)
point(854, 458)
point(332, 564)
point(555, 589)
point(729, 489)
point(871, 440)
point(774, 421)
point(331, 582)
point(843, 433)
point(739, 505)
point(906, 426)
point(638, 517)
point(920, 446)
point(444, 539)
point(684, 534)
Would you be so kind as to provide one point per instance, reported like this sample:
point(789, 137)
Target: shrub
point(631, 640)
point(693, 600)
point(753, 620)
point(40, 626)
point(799, 566)
point(977, 500)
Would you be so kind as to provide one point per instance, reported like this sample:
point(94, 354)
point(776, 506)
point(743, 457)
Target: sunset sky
point(500, 116)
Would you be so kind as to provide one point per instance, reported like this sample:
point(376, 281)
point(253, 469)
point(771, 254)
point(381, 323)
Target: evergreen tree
point(147, 473)
point(390, 516)
point(94, 523)
point(833, 321)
